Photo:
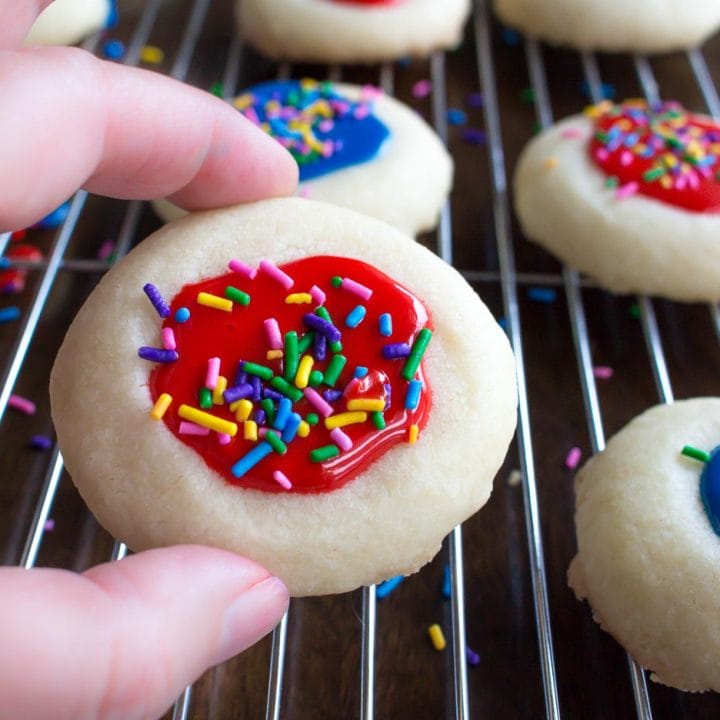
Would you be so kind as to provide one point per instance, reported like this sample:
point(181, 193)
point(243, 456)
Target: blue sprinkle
point(113, 49)
point(291, 427)
point(55, 218)
point(283, 413)
point(355, 316)
point(412, 397)
point(182, 315)
point(40, 442)
point(251, 459)
point(446, 583)
point(386, 324)
point(112, 18)
point(4, 263)
point(510, 37)
point(473, 136)
point(542, 294)
point(360, 371)
point(455, 116)
point(9, 314)
point(502, 322)
point(385, 588)
point(607, 91)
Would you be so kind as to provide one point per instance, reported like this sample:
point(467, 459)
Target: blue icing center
point(710, 489)
point(323, 130)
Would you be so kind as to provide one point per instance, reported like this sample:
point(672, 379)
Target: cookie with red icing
point(639, 26)
point(289, 380)
point(350, 31)
point(630, 195)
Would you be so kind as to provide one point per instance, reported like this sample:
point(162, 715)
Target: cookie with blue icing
point(648, 533)
point(355, 147)
point(66, 22)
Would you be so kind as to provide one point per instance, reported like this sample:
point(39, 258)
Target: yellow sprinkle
point(436, 636)
point(625, 124)
point(369, 404)
point(302, 376)
point(666, 181)
point(212, 422)
point(298, 299)
point(308, 84)
point(273, 354)
point(413, 432)
point(243, 101)
point(152, 55)
point(303, 429)
point(250, 430)
point(272, 106)
point(265, 127)
point(343, 419)
point(551, 163)
point(242, 410)
point(220, 388)
point(160, 407)
point(214, 301)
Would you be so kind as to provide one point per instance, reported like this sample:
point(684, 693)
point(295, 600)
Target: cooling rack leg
point(277, 663)
point(367, 654)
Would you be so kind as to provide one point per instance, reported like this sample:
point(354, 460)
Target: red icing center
point(240, 336)
point(662, 152)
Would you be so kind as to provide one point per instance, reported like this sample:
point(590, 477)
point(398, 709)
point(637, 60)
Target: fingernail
point(251, 616)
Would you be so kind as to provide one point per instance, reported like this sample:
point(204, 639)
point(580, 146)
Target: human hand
point(123, 639)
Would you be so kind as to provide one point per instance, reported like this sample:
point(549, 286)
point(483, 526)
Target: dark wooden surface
point(413, 681)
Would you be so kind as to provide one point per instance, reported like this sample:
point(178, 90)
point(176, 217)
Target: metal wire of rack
point(506, 279)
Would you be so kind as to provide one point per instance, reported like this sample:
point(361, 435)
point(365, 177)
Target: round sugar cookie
point(351, 31)
point(66, 22)
point(355, 147)
point(649, 26)
point(360, 404)
point(629, 195)
point(648, 540)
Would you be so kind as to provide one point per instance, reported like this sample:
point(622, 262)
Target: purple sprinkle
point(272, 394)
point(332, 395)
point(257, 388)
point(259, 416)
point(315, 322)
point(49, 525)
point(392, 351)
point(238, 392)
point(388, 395)
point(473, 136)
point(241, 377)
point(40, 442)
point(163, 309)
point(320, 347)
point(157, 355)
point(474, 100)
point(472, 657)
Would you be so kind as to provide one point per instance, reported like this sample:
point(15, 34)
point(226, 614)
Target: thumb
point(123, 639)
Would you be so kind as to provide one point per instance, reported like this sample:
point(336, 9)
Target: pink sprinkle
point(601, 154)
point(693, 180)
point(361, 111)
point(191, 428)
point(251, 115)
point(350, 386)
point(318, 402)
point(356, 288)
point(573, 458)
point(304, 192)
point(422, 88)
point(370, 92)
point(49, 525)
point(272, 330)
point(603, 372)
point(317, 295)
point(626, 191)
point(626, 158)
point(282, 479)
point(106, 249)
point(168, 338)
point(223, 438)
point(571, 133)
point(341, 439)
point(262, 432)
point(241, 268)
point(21, 404)
point(213, 370)
point(681, 182)
point(326, 125)
point(273, 271)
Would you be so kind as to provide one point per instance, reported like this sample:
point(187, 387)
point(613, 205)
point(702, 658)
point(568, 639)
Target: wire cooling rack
point(355, 655)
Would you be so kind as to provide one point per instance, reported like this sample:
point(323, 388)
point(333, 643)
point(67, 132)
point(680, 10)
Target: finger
point(16, 19)
point(123, 640)
point(70, 120)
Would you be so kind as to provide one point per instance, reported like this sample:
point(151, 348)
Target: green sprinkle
point(291, 357)
point(653, 174)
point(527, 95)
point(322, 312)
point(237, 296)
point(269, 407)
point(286, 389)
point(305, 342)
point(205, 398)
point(416, 354)
point(336, 281)
point(378, 420)
point(695, 453)
point(612, 182)
point(634, 311)
point(335, 347)
point(264, 373)
point(217, 89)
point(315, 379)
point(312, 418)
point(333, 370)
point(274, 441)
point(324, 453)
